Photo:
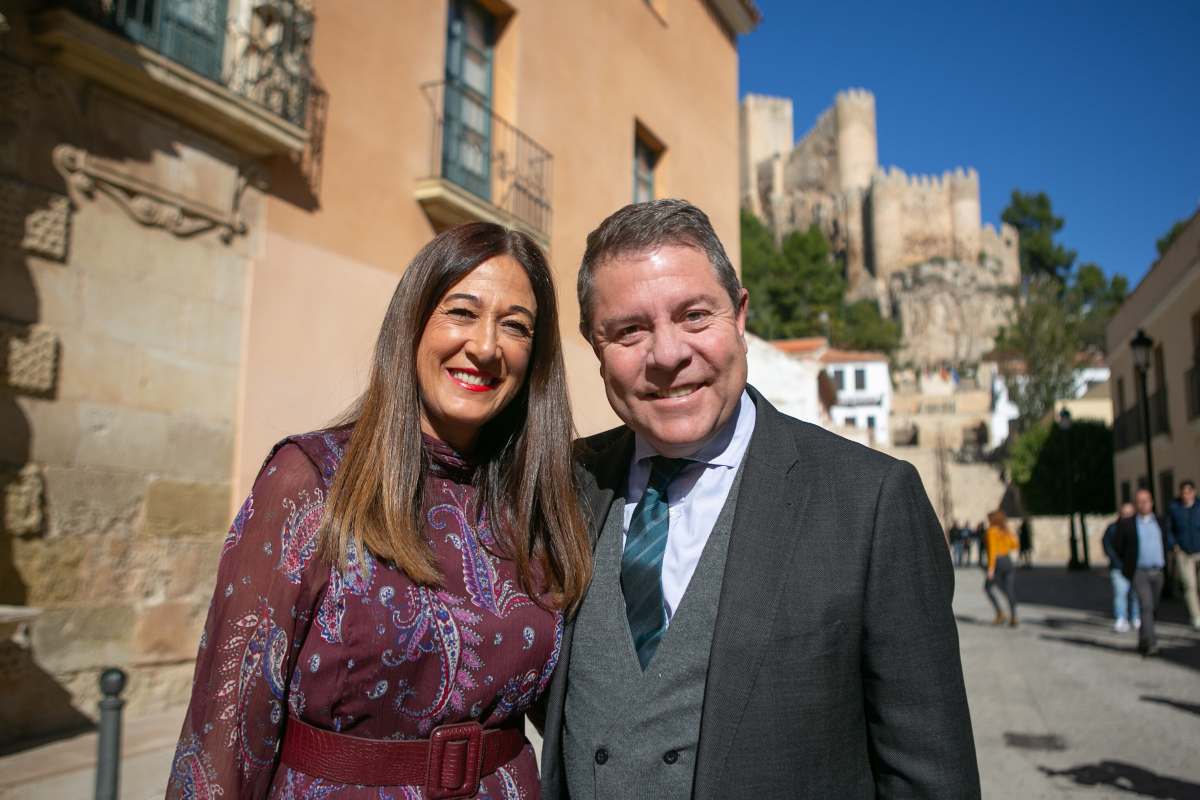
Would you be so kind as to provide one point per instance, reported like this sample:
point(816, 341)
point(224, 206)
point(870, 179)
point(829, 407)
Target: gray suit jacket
point(834, 669)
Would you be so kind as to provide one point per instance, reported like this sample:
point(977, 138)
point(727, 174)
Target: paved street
point(1062, 706)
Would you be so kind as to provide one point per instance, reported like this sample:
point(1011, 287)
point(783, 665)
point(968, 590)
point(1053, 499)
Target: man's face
point(1144, 502)
point(1126, 510)
point(672, 347)
point(1187, 494)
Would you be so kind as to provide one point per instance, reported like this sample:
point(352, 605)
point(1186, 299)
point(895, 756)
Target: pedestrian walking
point(1025, 534)
point(999, 545)
point(1142, 542)
point(958, 542)
point(1184, 520)
point(981, 542)
point(1126, 609)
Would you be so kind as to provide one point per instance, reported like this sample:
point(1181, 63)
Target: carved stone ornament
point(29, 355)
point(23, 492)
point(33, 219)
point(84, 175)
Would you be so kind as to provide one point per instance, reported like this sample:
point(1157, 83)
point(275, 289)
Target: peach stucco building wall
point(1166, 305)
point(576, 77)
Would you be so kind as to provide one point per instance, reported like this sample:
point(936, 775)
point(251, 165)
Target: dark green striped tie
point(641, 564)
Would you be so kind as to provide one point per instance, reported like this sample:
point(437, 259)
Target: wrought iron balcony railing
point(1160, 420)
point(263, 57)
point(1129, 428)
point(485, 155)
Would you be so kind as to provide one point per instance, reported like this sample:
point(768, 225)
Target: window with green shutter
point(467, 142)
point(644, 160)
point(189, 32)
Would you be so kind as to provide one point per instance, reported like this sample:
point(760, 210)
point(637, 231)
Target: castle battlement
point(857, 96)
point(958, 181)
point(962, 180)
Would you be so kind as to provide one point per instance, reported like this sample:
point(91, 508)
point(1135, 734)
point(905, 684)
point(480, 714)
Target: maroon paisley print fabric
point(361, 650)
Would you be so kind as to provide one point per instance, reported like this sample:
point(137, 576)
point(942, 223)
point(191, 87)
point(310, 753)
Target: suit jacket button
point(601, 756)
point(670, 757)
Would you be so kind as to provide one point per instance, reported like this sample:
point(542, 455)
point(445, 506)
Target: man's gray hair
point(642, 228)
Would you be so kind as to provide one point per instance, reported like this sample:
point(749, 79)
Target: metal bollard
point(108, 752)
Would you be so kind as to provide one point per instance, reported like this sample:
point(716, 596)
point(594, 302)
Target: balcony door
point(467, 138)
point(190, 32)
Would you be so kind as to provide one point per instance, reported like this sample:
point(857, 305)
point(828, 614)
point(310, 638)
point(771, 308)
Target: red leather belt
point(450, 763)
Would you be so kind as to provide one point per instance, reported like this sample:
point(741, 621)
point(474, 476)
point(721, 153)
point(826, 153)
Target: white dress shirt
point(696, 497)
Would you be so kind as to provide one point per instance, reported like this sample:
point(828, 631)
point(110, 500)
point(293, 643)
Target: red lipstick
point(489, 386)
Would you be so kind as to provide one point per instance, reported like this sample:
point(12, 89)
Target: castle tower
point(889, 189)
point(965, 212)
point(856, 257)
point(857, 146)
point(765, 125)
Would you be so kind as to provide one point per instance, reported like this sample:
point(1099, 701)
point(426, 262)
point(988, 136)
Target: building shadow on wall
point(297, 180)
point(38, 110)
point(1128, 778)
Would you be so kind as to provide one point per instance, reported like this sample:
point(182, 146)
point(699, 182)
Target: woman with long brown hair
point(999, 545)
point(390, 598)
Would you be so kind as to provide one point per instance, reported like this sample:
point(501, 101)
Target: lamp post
point(1064, 425)
point(1142, 345)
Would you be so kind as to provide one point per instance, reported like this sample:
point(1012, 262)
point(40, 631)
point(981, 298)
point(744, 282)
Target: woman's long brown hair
point(524, 476)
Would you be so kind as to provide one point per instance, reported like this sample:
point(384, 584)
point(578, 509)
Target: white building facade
point(864, 392)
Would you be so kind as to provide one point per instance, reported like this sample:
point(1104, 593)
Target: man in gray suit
point(770, 612)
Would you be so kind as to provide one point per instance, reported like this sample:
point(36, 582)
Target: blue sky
point(1096, 103)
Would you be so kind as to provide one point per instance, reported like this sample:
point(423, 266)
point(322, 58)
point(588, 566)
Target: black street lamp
point(1064, 425)
point(1142, 345)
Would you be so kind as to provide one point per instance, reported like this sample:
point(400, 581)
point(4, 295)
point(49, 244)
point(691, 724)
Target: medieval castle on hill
point(914, 244)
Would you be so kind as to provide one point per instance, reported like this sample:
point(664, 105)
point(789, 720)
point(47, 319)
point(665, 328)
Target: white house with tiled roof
point(860, 384)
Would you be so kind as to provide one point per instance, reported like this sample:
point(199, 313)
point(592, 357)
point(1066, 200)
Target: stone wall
point(125, 244)
point(1052, 539)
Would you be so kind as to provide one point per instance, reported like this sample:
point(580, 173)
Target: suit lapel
point(770, 510)
point(610, 466)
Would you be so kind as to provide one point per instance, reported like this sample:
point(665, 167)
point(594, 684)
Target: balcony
point(1128, 427)
point(247, 82)
point(1160, 419)
point(1191, 380)
point(856, 400)
point(482, 167)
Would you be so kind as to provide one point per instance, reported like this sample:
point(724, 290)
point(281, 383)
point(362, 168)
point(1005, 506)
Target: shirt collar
point(725, 449)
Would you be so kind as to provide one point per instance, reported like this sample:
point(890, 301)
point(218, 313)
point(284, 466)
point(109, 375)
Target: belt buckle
point(455, 758)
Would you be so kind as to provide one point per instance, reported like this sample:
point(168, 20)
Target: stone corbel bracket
point(150, 206)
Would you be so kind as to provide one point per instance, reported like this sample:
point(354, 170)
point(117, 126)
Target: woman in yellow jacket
point(1000, 544)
